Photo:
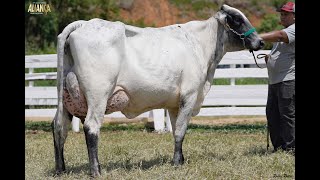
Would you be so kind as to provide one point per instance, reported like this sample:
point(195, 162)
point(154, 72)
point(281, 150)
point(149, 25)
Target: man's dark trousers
point(280, 113)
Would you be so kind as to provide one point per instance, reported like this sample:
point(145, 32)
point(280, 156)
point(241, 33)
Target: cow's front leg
point(185, 110)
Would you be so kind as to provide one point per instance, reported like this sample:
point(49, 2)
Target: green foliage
point(43, 82)
point(246, 81)
point(203, 8)
point(240, 81)
point(221, 82)
point(139, 23)
point(278, 3)
point(270, 22)
point(33, 48)
point(41, 30)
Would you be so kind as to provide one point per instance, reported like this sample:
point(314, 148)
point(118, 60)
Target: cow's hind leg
point(60, 126)
point(185, 111)
point(97, 102)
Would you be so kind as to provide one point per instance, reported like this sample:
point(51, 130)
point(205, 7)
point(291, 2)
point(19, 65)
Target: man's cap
point(288, 7)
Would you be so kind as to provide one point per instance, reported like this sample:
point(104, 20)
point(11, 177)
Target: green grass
point(224, 152)
point(247, 81)
point(240, 81)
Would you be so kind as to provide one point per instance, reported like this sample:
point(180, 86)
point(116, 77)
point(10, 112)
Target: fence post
point(75, 124)
point(158, 119)
point(30, 72)
point(232, 80)
point(168, 122)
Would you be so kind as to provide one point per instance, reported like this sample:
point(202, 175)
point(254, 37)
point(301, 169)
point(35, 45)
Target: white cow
point(108, 66)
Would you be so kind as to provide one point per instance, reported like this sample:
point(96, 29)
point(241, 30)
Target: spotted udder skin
point(78, 107)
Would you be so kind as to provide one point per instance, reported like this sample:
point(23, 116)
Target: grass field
point(234, 150)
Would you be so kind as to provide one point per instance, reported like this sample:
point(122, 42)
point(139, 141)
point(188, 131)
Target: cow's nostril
point(261, 43)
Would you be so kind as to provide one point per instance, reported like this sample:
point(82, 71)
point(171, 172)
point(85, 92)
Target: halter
point(242, 36)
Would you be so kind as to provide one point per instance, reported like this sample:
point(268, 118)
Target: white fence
point(222, 100)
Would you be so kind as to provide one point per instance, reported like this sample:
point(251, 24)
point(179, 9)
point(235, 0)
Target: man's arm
point(275, 36)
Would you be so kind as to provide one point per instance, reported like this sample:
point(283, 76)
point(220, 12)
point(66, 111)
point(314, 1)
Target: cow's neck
point(222, 41)
point(205, 33)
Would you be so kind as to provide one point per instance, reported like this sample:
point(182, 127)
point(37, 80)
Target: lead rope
point(259, 56)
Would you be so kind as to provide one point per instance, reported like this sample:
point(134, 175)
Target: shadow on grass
point(143, 165)
point(229, 127)
point(258, 151)
point(124, 164)
point(70, 170)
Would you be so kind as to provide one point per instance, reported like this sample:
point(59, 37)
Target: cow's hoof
point(59, 172)
point(178, 160)
point(95, 174)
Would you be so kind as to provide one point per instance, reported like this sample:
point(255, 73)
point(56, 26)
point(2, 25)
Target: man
point(280, 62)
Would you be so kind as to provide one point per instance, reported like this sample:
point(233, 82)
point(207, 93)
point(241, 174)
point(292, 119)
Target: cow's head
point(241, 33)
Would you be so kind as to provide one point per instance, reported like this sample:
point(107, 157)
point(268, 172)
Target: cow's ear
point(221, 16)
point(223, 7)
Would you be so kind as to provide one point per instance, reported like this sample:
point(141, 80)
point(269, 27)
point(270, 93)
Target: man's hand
point(266, 58)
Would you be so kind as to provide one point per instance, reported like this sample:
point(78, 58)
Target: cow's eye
point(237, 20)
point(237, 23)
point(234, 20)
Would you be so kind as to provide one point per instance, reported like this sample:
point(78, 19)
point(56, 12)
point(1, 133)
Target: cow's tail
point(62, 39)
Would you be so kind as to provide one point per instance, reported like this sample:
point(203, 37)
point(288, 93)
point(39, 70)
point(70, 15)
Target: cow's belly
point(142, 101)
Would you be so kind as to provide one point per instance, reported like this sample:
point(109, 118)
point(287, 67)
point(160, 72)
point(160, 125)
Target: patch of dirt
point(255, 20)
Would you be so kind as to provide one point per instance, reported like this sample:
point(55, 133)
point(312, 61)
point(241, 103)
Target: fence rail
point(222, 100)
